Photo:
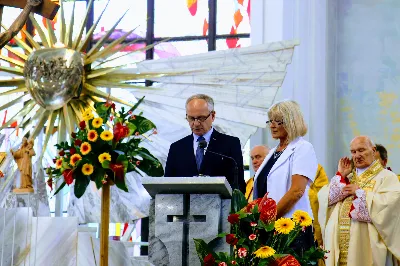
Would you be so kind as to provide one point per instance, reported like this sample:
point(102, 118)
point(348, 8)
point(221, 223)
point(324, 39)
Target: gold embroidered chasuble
point(353, 243)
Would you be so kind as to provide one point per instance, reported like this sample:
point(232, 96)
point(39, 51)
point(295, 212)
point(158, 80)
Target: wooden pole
point(105, 222)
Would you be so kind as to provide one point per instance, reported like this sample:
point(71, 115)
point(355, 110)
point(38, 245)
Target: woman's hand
point(344, 166)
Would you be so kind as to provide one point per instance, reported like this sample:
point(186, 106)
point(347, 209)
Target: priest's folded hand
point(350, 189)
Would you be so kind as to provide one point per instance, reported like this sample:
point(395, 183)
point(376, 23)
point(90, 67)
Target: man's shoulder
point(188, 138)
point(225, 136)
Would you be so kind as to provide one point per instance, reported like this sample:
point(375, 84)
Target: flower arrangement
point(104, 149)
point(258, 238)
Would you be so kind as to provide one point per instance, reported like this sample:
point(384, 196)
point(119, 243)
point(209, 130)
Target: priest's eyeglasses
point(276, 122)
point(201, 119)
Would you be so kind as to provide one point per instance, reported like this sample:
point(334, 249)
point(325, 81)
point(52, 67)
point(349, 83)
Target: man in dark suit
point(186, 158)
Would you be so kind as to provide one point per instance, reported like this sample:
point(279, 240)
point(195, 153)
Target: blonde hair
point(293, 122)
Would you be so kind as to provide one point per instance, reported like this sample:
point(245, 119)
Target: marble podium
point(184, 208)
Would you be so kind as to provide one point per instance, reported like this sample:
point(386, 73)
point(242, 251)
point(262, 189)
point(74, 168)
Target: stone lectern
point(184, 208)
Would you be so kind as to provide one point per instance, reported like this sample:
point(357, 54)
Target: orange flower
point(92, 135)
point(74, 158)
point(59, 163)
point(85, 148)
point(87, 169)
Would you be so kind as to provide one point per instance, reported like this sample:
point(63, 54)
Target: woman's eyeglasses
point(276, 122)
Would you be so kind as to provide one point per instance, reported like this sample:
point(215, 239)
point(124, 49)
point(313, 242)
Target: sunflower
point(92, 135)
point(284, 225)
point(87, 169)
point(104, 157)
point(85, 148)
point(74, 158)
point(302, 218)
point(59, 163)
point(97, 122)
point(264, 252)
point(106, 135)
point(87, 115)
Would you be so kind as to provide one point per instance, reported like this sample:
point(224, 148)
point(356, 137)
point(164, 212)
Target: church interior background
point(343, 73)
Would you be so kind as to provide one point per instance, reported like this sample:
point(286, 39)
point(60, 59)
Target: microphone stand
point(235, 172)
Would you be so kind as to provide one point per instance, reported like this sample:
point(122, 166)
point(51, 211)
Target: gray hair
point(208, 99)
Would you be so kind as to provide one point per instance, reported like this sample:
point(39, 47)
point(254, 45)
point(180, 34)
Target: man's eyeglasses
point(280, 122)
point(192, 119)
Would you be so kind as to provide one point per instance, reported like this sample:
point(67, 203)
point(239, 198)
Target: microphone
point(203, 145)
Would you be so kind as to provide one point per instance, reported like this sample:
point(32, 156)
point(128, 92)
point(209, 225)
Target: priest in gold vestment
point(359, 211)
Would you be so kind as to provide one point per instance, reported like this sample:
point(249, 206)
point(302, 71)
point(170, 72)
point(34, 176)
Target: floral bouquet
point(104, 149)
point(258, 238)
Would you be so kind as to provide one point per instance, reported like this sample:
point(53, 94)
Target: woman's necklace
point(278, 153)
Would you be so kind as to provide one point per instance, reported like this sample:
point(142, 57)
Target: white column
point(306, 78)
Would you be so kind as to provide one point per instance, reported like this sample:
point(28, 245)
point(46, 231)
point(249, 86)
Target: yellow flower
point(87, 115)
point(87, 169)
point(106, 135)
point(59, 163)
point(264, 252)
point(302, 218)
point(85, 148)
point(74, 158)
point(284, 225)
point(97, 122)
point(92, 135)
point(104, 157)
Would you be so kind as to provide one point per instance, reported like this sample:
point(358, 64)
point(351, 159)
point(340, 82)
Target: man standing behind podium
point(186, 158)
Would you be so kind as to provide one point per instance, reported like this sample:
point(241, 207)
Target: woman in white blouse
point(289, 169)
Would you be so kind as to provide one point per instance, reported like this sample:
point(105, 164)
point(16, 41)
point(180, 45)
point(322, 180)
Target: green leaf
point(202, 249)
point(238, 201)
point(267, 227)
point(61, 187)
point(99, 175)
point(132, 128)
point(81, 183)
point(143, 124)
point(222, 235)
point(106, 164)
point(136, 105)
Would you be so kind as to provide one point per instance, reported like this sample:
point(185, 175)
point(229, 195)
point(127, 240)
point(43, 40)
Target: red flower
point(233, 218)
point(251, 205)
point(288, 260)
point(252, 237)
point(233, 262)
point(82, 125)
point(118, 170)
point(50, 183)
point(231, 239)
point(73, 135)
point(120, 131)
point(68, 177)
point(242, 252)
point(61, 153)
point(223, 263)
point(253, 224)
point(110, 104)
point(267, 208)
point(209, 260)
point(137, 163)
point(72, 151)
point(78, 142)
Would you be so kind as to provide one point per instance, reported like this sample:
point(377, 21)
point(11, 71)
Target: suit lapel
point(284, 156)
point(189, 151)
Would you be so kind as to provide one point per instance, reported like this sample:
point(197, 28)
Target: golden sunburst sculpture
point(59, 80)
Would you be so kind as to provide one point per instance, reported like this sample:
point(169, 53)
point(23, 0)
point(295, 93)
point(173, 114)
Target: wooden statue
point(46, 8)
point(23, 157)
